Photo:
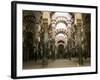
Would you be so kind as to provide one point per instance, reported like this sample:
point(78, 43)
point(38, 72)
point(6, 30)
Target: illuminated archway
point(61, 37)
point(60, 25)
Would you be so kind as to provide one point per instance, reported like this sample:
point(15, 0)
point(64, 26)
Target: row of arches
point(61, 22)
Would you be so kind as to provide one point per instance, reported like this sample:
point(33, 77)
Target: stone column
point(79, 36)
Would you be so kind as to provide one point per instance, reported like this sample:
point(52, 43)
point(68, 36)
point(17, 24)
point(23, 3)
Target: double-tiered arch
point(61, 22)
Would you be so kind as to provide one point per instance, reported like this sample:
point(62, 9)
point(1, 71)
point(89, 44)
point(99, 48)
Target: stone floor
point(58, 63)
